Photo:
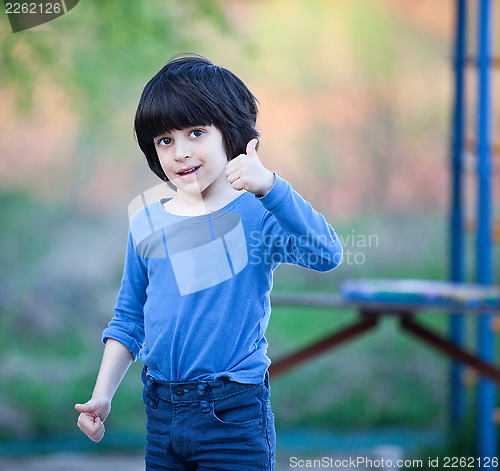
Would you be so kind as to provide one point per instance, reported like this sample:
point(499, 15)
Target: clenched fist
point(92, 416)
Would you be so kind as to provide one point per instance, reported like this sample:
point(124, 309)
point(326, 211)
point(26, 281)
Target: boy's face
point(194, 158)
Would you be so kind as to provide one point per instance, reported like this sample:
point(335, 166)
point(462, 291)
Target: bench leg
point(368, 321)
point(450, 349)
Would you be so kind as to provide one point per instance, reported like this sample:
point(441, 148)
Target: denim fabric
point(216, 425)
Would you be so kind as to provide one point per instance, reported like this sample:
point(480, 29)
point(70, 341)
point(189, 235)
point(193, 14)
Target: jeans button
point(179, 391)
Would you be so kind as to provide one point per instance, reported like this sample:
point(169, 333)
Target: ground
point(82, 462)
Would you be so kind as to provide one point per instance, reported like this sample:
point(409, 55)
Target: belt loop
point(147, 379)
point(202, 391)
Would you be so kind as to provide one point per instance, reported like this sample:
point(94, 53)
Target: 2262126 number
point(470, 462)
point(33, 8)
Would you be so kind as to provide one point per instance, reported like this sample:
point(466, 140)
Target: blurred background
point(355, 108)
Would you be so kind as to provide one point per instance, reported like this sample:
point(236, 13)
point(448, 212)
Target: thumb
point(83, 408)
point(87, 408)
point(251, 149)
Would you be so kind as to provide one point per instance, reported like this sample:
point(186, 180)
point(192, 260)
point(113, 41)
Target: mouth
point(188, 172)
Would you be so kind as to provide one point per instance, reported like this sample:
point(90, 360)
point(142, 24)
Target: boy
point(194, 300)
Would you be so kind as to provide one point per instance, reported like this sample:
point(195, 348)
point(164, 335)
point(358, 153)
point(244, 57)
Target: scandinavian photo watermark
point(212, 247)
point(355, 246)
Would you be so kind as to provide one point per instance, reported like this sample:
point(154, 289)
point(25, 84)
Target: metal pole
point(457, 259)
point(485, 398)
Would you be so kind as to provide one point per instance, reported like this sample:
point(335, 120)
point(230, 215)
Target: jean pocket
point(149, 399)
point(240, 410)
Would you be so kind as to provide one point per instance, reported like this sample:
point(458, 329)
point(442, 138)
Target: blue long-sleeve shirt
point(194, 301)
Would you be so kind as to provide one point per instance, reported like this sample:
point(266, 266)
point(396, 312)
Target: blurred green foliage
point(98, 49)
point(61, 268)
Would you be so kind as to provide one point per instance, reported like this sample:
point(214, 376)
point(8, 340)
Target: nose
point(181, 149)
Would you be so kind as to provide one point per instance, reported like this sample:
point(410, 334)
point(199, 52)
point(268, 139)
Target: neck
point(195, 204)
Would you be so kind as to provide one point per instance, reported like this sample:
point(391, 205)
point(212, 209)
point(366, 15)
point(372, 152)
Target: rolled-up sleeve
point(127, 325)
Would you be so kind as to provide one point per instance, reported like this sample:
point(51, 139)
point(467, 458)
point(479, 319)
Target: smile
point(188, 172)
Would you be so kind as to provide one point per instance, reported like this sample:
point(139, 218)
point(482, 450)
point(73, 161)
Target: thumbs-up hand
point(246, 172)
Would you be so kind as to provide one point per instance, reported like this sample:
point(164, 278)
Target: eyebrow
point(189, 128)
point(163, 134)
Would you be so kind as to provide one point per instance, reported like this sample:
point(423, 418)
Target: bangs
point(191, 91)
point(173, 107)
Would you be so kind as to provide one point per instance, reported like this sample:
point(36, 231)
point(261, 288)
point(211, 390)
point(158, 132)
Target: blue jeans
point(216, 425)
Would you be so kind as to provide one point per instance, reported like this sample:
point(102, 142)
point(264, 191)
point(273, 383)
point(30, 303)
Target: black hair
point(192, 91)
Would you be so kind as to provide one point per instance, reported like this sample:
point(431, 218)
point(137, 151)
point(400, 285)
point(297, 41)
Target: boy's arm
point(292, 230)
point(115, 362)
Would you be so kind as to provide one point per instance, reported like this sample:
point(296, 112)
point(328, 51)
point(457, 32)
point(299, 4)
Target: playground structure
point(456, 301)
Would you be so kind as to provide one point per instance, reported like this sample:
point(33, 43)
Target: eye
point(197, 133)
point(164, 141)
